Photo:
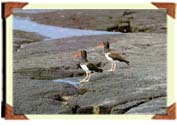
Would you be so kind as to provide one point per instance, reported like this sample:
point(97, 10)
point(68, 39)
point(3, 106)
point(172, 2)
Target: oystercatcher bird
point(111, 55)
point(88, 67)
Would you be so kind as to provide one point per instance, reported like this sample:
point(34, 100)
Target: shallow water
point(66, 81)
point(52, 32)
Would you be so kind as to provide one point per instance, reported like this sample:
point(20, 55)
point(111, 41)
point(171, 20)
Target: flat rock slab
point(137, 88)
point(156, 106)
point(41, 96)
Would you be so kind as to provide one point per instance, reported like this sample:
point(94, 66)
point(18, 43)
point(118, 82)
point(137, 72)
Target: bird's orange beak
point(76, 55)
point(101, 45)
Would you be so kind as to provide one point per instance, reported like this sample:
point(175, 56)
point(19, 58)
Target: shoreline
point(152, 21)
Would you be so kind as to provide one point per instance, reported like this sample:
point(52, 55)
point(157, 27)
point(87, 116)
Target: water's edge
point(52, 32)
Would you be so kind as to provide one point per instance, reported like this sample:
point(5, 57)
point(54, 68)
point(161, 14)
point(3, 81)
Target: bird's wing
point(92, 66)
point(116, 56)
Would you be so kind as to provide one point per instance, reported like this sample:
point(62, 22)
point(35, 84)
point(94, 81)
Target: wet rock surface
point(137, 88)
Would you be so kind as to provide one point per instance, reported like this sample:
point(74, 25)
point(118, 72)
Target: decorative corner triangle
point(171, 114)
point(171, 8)
point(9, 115)
point(9, 6)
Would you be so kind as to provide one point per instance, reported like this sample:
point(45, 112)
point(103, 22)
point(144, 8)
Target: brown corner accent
point(9, 6)
point(10, 116)
point(171, 8)
point(171, 114)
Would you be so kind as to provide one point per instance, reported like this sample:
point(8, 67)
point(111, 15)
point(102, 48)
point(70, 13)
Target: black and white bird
point(88, 67)
point(111, 55)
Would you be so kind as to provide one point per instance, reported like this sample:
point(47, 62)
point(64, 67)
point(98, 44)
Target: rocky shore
point(138, 88)
point(44, 68)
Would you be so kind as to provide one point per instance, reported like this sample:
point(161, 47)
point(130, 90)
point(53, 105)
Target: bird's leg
point(86, 77)
point(112, 66)
point(89, 75)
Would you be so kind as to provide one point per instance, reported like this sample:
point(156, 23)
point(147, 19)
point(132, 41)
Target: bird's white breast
point(108, 58)
point(84, 67)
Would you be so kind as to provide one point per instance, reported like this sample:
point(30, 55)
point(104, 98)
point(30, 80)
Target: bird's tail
point(99, 70)
point(127, 62)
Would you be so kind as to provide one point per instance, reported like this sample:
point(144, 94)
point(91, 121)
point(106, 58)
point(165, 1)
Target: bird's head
point(80, 54)
point(103, 44)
